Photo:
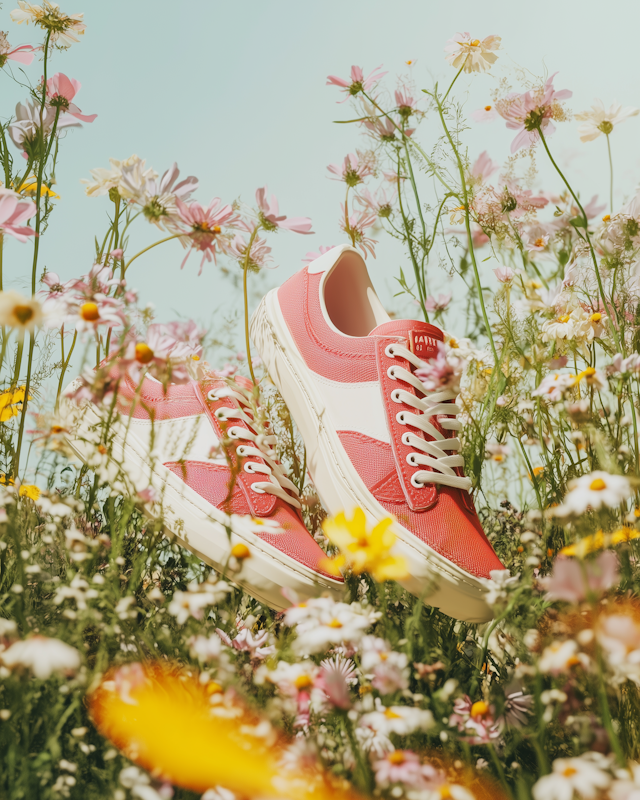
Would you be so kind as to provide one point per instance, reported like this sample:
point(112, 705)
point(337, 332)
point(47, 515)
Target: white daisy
point(586, 777)
point(402, 720)
point(475, 55)
point(600, 121)
point(42, 656)
point(595, 491)
point(559, 657)
point(321, 622)
point(20, 312)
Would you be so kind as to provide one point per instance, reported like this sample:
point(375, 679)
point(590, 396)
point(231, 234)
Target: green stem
point(347, 227)
point(65, 364)
point(23, 415)
point(610, 174)
point(455, 79)
point(606, 715)
point(416, 268)
point(463, 184)
point(499, 769)
point(155, 244)
point(411, 141)
point(246, 301)
point(614, 331)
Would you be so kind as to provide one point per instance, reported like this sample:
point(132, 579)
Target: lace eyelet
point(248, 467)
point(240, 450)
point(416, 483)
point(257, 489)
point(232, 433)
point(400, 417)
point(219, 414)
point(406, 439)
point(388, 351)
point(212, 396)
point(395, 396)
point(390, 373)
point(411, 460)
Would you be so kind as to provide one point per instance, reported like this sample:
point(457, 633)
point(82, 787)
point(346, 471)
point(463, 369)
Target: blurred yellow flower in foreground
point(362, 550)
point(30, 186)
point(11, 403)
point(167, 722)
point(30, 491)
point(599, 541)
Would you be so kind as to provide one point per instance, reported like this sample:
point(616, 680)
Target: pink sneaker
point(180, 458)
point(373, 440)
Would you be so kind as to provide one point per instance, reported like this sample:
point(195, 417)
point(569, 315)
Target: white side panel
point(352, 406)
point(189, 438)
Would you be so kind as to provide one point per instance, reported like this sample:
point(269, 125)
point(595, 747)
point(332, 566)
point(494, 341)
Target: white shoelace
point(429, 454)
point(260, 446)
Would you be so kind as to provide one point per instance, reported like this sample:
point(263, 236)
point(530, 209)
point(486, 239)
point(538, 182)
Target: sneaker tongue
point(422, 338)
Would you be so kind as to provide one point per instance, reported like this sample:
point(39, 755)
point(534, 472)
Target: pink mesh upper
point(448, 527)
point(326, 352)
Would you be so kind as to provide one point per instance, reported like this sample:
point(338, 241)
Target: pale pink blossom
point(311, 256)
point(485, 114)
point(399, 766)
point(356, 226)
point(572, 580)
point(271, 218)
point(353, 169)
point(442, 372)
point(260, 251)
point(405, 102)
point(21, 55)
point(552, 387)
point(54, 285)
point(483, 168)
point(433, 304)
point(247, 642)
point(356, 82)
point(60, 93)
point(535, 109)
point(538, 243)
point(334, 678)
point(379, 203)
point(205, 226)
point(14, 210)
point(504, 274)
point(117, 253)
point(476, 720)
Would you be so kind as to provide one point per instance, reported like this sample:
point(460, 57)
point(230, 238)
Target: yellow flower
point(30, 186)
point(166, 721)
point(362, 550)
point(599, 541)
point(30, 491)
point(11, 403)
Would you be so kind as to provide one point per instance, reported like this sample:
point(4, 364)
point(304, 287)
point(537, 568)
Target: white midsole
point(199, 526)
point(432, 577)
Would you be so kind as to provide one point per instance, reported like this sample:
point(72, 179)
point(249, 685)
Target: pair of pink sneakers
point(375, 437)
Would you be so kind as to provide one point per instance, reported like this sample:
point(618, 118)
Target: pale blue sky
point(235, 93)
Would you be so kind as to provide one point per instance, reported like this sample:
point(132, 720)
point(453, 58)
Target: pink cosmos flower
point(439, 304)
point(475, 719)
point(383, 128)
point(332, 681)
point(357, 82)
point(15, 210)
point(22, 54)
point(528, 112)
point(357, 225)
point(60, 92)
point(442, 372)
point(271, 218)
point(54, 285)
point(486, 114)
point(571, 581)
point(380, 203)
point(260, 250)
point(246, 642)
point(117, 253)
point(352, 171)
point(504, 274)
point(399, 766)
point(483, 167)
point(538, 243)
point(206, 226)
point(311, 256)
point(405, 102)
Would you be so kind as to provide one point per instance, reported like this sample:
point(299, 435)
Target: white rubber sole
point(186, 516)
point(433, 578)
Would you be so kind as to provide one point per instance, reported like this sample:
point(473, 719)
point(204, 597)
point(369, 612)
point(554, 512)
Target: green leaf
point(578, 222)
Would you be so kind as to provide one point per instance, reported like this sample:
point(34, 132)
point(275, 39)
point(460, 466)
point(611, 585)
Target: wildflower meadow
point(133, 664)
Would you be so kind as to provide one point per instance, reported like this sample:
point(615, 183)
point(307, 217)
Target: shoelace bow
point(260, 446)
point(427, 454)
